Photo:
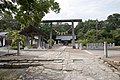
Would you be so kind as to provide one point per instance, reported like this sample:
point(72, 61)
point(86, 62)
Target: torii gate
point(70, 20)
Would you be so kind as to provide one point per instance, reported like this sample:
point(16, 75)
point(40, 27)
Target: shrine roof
point(32, 31)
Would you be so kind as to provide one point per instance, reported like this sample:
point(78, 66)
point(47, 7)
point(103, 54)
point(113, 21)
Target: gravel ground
point(68, 64)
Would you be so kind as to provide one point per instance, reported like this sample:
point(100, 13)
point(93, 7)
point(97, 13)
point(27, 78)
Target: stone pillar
point(80, 46)
point(73, 36)
point(113, 45)
point(4, 42)
point(105, 50)
point(47, 46)
point(87, 45)
point(76, 45)
point(39, 42)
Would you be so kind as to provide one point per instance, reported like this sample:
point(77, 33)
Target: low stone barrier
point(94, 45)
point(99, 45)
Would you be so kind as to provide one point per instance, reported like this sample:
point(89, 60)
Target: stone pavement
point(113, 58)
point(111, 53)
point(68, 64)
point(4, 51)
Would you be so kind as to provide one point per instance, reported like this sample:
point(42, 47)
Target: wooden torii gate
point(70, 20)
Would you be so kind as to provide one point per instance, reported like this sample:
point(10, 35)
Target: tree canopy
point(28, 11)
point(99, 31)
point(7, 22)
point(18, 14)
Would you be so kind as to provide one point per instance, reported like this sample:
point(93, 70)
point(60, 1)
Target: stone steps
point(24, 63)
point(18, 65)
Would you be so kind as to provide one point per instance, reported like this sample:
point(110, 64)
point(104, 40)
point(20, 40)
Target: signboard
point(64, 37)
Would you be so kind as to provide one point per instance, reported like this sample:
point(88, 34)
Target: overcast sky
point(85, 9)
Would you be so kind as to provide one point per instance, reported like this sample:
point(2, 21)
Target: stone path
point(68, 64)
point(112, 54)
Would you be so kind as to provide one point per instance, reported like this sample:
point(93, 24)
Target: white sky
point(85, 9)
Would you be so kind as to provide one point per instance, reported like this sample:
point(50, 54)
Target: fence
point(95, 45)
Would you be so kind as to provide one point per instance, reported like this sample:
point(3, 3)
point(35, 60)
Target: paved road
point(111, 53)
point(68, 64)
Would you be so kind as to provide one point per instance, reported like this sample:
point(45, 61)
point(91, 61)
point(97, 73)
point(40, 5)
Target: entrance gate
point(72, 22)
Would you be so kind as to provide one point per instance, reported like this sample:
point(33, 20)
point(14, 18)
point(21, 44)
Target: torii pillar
point(50, 43)
point(73, 36)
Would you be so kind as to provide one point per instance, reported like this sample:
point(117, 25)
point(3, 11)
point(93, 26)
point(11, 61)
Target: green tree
point(7, 22)
point(116, 35)
point(79, 28)
point(15, 37)
point(45, 27)
point(91, 35)
point(80, 35)
point(63, 27)
point(113, 22)
point(93, 31)
point(28, 11)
